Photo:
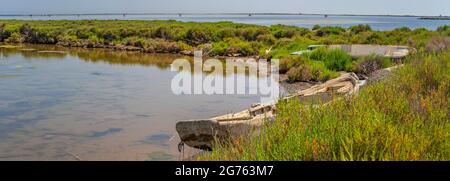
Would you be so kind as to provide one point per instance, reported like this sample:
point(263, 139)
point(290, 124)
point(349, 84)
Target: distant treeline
point(223, 39)
point(436, 18)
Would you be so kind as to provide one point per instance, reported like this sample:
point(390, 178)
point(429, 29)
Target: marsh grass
point(404, 117)
point(224, 39)
point(334, 59)
point(174, 36)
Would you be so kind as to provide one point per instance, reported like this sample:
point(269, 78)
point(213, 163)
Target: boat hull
point(203, 133)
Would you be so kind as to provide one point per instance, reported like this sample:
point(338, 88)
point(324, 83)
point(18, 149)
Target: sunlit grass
point(405, 117)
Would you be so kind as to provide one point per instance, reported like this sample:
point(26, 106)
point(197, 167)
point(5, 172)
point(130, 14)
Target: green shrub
point(284, 65)
point(109, 36)
point(220, 48)
point(324, 31)
point(284, 47)
point(67, 39)
point(196, 36)
point(283, 31)
point(368, 64)
point(184, 46)
point(225, 33)
point(318, 65)
point(438, 44)
point(319, 54)
point(334, 59)
point(403, 29)
point(338, 60)
point(266, 38)
point(300, 73)
point(161, 32)
point(316, 27)
point(301, 69)
point(289, 62)
point(134, 41)
point(249, 34)
point(15, 37)
point(3, 33)
point(235, 46)
point(333, 39)
point(360, 28)
point(377, 38)
point(161, 46)
point(94, 39)
point(321, 72)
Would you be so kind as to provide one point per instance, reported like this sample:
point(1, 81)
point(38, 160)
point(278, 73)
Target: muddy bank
point(381, 74)
point(294, 87)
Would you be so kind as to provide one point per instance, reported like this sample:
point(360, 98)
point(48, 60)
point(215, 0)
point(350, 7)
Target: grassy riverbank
point(228, 39)
point(221, 38)
point(405, 117)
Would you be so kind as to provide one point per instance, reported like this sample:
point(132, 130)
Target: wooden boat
point(203, 133)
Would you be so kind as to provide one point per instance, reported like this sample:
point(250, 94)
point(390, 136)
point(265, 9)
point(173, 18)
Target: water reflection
point(70, 104)
point(112, 57)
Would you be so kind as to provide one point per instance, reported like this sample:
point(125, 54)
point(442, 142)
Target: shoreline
point(204, 14)
point(435, 18)
point(216, 40)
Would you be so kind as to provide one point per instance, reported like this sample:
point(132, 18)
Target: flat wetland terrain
point(100, 90)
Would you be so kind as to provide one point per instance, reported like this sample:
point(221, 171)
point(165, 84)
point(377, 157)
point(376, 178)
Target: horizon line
point(224, 13)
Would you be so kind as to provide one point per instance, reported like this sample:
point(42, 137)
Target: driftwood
point(204, 132)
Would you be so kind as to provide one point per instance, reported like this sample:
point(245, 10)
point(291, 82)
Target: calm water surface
point(95, 105)
point(308, 21)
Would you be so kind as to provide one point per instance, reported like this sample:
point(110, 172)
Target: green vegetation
point(334, 59)
point(323, 64)
point(404, 117)
point(369, 64)
point(302, 68)
point(224, 39)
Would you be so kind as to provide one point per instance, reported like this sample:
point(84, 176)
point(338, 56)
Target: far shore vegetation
point(229, 39)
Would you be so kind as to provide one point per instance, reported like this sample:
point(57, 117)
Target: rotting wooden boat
point(203, 133)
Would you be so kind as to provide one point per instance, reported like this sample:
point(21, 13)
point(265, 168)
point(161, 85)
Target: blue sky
point(412, 7)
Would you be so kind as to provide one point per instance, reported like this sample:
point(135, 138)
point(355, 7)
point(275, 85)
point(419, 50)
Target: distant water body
point(307, 21)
